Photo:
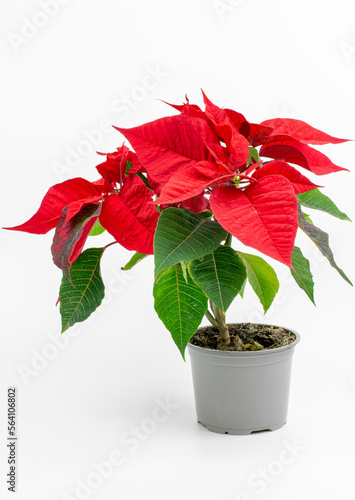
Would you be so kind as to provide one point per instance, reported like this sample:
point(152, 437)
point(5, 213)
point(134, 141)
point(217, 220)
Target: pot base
point(240, 432)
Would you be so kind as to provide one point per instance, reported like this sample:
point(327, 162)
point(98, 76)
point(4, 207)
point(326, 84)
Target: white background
point(67, 78)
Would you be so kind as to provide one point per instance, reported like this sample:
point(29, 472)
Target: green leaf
point(180, 305)
point(307, 217)
point(253, 155)
point(321, 239)
point(183, 236)
point(81, 297)
point(319, 201)
point(301, 272)
point(184, 270)
point(97, 229)
point(128, 167)
point(137, 257)
point(220, 274)
point(242, 290)
point(206, 215)
point(69, 233)
point(144, 179)
point(262, 278)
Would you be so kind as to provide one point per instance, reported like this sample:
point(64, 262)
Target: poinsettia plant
point(193, 181)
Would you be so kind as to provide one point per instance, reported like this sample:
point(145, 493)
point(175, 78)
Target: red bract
point(299, 130)
point(113, 170)
point(188, 109)
point(251, 131)
point(299, 182)
point(228, 132)
point(57, 198)
point(263, 216)
point(197, 204)
point(190, 182)
point(130, 217)
point(169, 144)
point(300, 154)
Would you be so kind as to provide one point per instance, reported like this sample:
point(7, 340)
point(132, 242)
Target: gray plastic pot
point(240, 392)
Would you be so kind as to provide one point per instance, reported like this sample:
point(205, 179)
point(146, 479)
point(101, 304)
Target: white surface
point(264, 59)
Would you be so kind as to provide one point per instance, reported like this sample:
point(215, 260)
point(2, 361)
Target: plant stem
point(113, 243)
point(222, 327)
point(228, 241)
point(211, 319)
point(217, 320)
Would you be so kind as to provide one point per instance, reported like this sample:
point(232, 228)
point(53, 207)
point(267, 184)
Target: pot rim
point(262, 352)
